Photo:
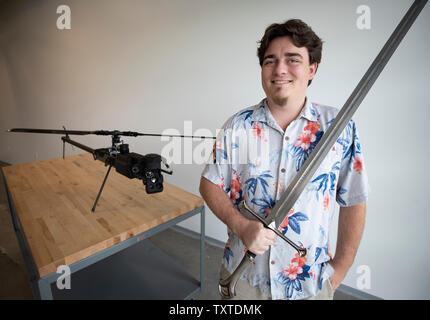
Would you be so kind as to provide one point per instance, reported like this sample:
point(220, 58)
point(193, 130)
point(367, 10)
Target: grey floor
point(184, 249)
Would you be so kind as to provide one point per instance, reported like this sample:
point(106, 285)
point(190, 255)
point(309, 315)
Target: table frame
point(41, 287)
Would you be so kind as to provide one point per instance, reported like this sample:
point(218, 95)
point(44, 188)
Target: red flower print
point(312, 127)
point(308, 136)
point(284, 223)
point(300, 261)
point(295, 267)
point(296, 272)
point(267, 211)
point(291, 272)
point(326, 201)
point(304, 141)
point(358, 164)
point(221, 185)
point(235, 187)
point(258, 131)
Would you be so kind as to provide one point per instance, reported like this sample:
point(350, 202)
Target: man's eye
point(268, 62)
point(294, 61)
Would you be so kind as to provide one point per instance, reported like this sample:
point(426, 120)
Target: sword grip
point(227, 287)
point(302, 251)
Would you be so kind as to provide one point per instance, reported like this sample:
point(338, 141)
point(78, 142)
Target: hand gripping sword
point(297, 185)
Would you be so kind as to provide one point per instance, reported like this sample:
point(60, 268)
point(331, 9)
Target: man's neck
point(285, 113)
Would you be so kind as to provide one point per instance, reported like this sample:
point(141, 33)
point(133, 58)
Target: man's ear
point(312, 70)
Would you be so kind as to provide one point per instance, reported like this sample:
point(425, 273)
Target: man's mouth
point(280, 82)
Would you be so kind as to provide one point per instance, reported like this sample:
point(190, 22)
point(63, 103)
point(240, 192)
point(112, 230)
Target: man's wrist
point(340, 265)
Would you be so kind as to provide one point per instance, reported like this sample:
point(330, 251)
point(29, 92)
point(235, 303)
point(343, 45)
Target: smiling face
point(286, 71)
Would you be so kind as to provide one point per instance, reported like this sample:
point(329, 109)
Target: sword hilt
point(300, 250)
point(227, 287)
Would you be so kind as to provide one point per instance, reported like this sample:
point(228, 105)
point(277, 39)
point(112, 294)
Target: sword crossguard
point(302, 251)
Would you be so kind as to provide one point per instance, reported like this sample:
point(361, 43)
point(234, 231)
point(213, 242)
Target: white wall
point(151, 65)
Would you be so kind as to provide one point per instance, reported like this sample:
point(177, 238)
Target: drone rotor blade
point(51, 131)
point(173, 135)
point(105, 133)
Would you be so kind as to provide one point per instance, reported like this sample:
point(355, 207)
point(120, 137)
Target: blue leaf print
point(350, 153)
point(252, 183)
point(263, 203)
point(219, 155)
point(319, 250)
point(244, 117)
point(227, 254)
point(317, 253)
point(320, 283)
point(293, 221)
point(344, 142)
point(332, 179)
point(341, 191)
point(324, 178)
point(336, 166)
point(313, 112)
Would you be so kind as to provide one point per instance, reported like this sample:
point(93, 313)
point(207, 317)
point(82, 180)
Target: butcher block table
point(107, 251)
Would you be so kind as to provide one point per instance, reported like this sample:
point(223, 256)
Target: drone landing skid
point(101, 189)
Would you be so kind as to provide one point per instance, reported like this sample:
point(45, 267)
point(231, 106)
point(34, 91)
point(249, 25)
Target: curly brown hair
point(301, 34)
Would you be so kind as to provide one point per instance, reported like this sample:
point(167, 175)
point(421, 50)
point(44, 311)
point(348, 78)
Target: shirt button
point(287, 138)
point(283, 170)
point(272, 262)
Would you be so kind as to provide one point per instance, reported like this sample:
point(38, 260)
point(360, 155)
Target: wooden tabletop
point(53, 200)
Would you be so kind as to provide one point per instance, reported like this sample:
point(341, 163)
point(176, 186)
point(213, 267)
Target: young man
point(285, 127)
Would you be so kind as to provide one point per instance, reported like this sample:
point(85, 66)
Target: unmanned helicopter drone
point(132, 165)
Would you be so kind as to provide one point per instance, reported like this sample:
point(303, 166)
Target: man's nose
point(281, 68)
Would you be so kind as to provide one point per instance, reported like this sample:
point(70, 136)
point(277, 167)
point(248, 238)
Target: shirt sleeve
point(218, 169)
point(353, 186)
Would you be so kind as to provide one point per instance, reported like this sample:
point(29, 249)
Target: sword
point(289, 197)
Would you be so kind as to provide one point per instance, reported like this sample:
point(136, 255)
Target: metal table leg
point(202, 248)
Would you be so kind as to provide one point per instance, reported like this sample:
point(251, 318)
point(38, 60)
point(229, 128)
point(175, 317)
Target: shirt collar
point(259, 114)
point(308, 111)
point(263, 114)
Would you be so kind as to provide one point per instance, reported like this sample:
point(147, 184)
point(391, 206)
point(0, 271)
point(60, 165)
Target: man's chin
point(280, 101)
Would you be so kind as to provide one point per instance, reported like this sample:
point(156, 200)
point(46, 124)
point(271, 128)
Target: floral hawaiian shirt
point(255, 160)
